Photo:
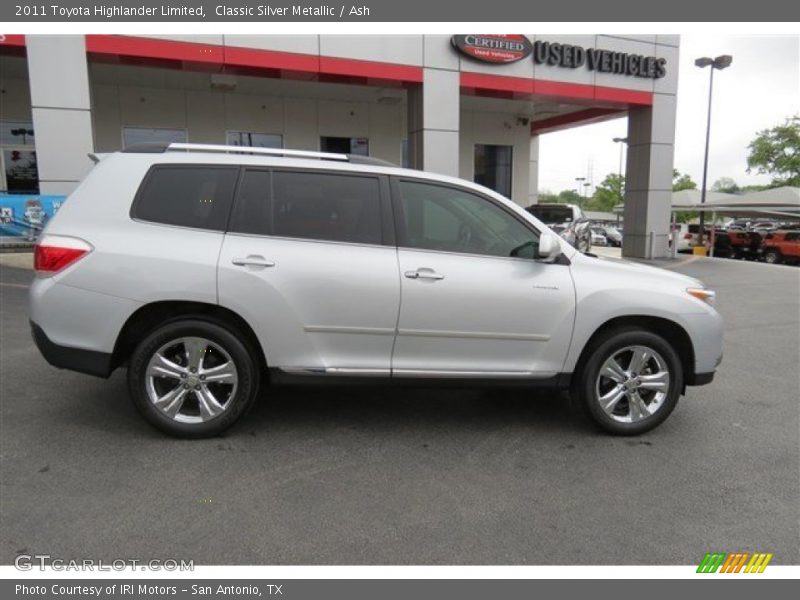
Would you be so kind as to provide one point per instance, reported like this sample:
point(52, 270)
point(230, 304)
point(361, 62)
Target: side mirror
point(549, 246)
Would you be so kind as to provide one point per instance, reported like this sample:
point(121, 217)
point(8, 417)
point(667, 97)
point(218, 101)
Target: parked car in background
point(764, 227)
point(598, 237)
point(781, 247)
point(680, 237)
point(688, 236)
point(573, 225)
point(212, 271)
point(740, 224)
point(612, 234)
point(722, 243)
point(743, 244)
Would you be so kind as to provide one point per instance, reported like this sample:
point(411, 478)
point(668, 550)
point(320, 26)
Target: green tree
point(682, 181)
point(608, 193)
point(546, 197)
point(726, 185)
point(570, 197)
point(776, 152)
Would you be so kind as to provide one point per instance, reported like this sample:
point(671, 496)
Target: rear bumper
point(74, 359)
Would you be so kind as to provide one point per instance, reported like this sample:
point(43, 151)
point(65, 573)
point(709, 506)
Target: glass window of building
point(493, 167)
point(345, 145)
point(144, 135)
point(18, 169)
point(254, 140)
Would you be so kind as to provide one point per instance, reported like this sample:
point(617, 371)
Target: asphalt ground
point(397, 476)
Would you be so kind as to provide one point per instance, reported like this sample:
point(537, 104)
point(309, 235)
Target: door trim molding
point(346, 329)
point(480, 335)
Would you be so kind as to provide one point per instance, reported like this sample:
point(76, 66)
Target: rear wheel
point(631, 382)
point(772, 257)
point(192, 378)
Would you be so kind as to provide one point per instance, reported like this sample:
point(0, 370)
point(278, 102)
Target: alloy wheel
point(632, 384)
point(191, 379)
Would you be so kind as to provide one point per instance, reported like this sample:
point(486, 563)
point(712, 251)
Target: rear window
point(551, 214)
point(189, 196)
point(317, 206)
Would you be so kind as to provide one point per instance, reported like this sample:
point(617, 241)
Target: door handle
point(252, 260)
point(424, 273)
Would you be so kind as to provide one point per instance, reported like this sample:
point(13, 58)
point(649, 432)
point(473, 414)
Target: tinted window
point(551, 213)
point(318, 206)
point(197, 196)
point(453, 220)
point(252, 212)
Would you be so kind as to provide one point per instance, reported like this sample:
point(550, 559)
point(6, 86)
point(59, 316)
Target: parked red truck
point(781, 246)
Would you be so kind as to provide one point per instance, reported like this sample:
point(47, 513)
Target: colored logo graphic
point(735, 562)
point(493, 48)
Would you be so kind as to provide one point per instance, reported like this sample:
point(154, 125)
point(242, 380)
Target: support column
point(60, 103)
point(648, 181)
point(433, 122)
point(533, 172)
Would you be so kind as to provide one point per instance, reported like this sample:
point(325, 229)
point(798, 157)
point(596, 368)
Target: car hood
point(623, 269)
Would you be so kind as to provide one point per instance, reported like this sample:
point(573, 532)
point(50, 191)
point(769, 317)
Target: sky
point(759, 90)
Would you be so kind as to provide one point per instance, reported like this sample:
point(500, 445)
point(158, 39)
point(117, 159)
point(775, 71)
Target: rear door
point(309, 261)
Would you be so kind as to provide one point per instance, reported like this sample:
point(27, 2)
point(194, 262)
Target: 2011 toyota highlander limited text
point(210, 271)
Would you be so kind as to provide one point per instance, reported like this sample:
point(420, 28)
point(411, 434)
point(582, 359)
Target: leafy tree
point(726, 185)
point(682, 181)
point(753, 188)
point(547, 197)
point(570, 197)
point(608, 194)
point(776, 152)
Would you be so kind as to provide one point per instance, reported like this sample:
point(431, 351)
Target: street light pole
point(721, 62)
point(580, 195)
point(620, 141)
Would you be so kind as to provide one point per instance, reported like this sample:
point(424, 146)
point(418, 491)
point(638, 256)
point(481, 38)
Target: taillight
point(687, 236)
point(54, 253)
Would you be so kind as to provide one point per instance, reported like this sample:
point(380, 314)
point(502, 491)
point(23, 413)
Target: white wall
point(208, 115)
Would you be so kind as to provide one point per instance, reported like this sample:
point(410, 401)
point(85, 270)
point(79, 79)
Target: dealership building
point(471, 105)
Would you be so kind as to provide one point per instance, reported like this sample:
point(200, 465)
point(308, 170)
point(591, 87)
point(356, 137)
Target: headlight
point(707, 296)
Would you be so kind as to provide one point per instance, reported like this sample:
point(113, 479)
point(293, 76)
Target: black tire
point(240, 398)
point(772, 257)
point(584, 386)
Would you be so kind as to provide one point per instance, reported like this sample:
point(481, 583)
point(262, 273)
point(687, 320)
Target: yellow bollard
point(699, 251)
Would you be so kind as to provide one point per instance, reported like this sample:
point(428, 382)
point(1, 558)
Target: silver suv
point(211, 271)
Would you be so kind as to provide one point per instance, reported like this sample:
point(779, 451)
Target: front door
point(475, 301)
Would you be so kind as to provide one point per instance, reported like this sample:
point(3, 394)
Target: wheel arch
point(671, 331)
point(155, 314)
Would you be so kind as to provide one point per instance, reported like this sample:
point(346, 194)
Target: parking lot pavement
point(379, 476)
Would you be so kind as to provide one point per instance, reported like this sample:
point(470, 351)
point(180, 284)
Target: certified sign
point(493, 48)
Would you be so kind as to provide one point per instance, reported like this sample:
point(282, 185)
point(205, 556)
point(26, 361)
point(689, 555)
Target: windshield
point(551, 213)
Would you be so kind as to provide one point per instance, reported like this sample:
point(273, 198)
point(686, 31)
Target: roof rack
point(157, 147)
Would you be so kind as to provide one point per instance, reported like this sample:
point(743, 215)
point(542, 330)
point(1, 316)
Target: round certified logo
point(493, 48)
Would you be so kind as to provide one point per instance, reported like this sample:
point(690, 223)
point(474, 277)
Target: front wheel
point(631, 382)
point(772, 257)
point(192, 378)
